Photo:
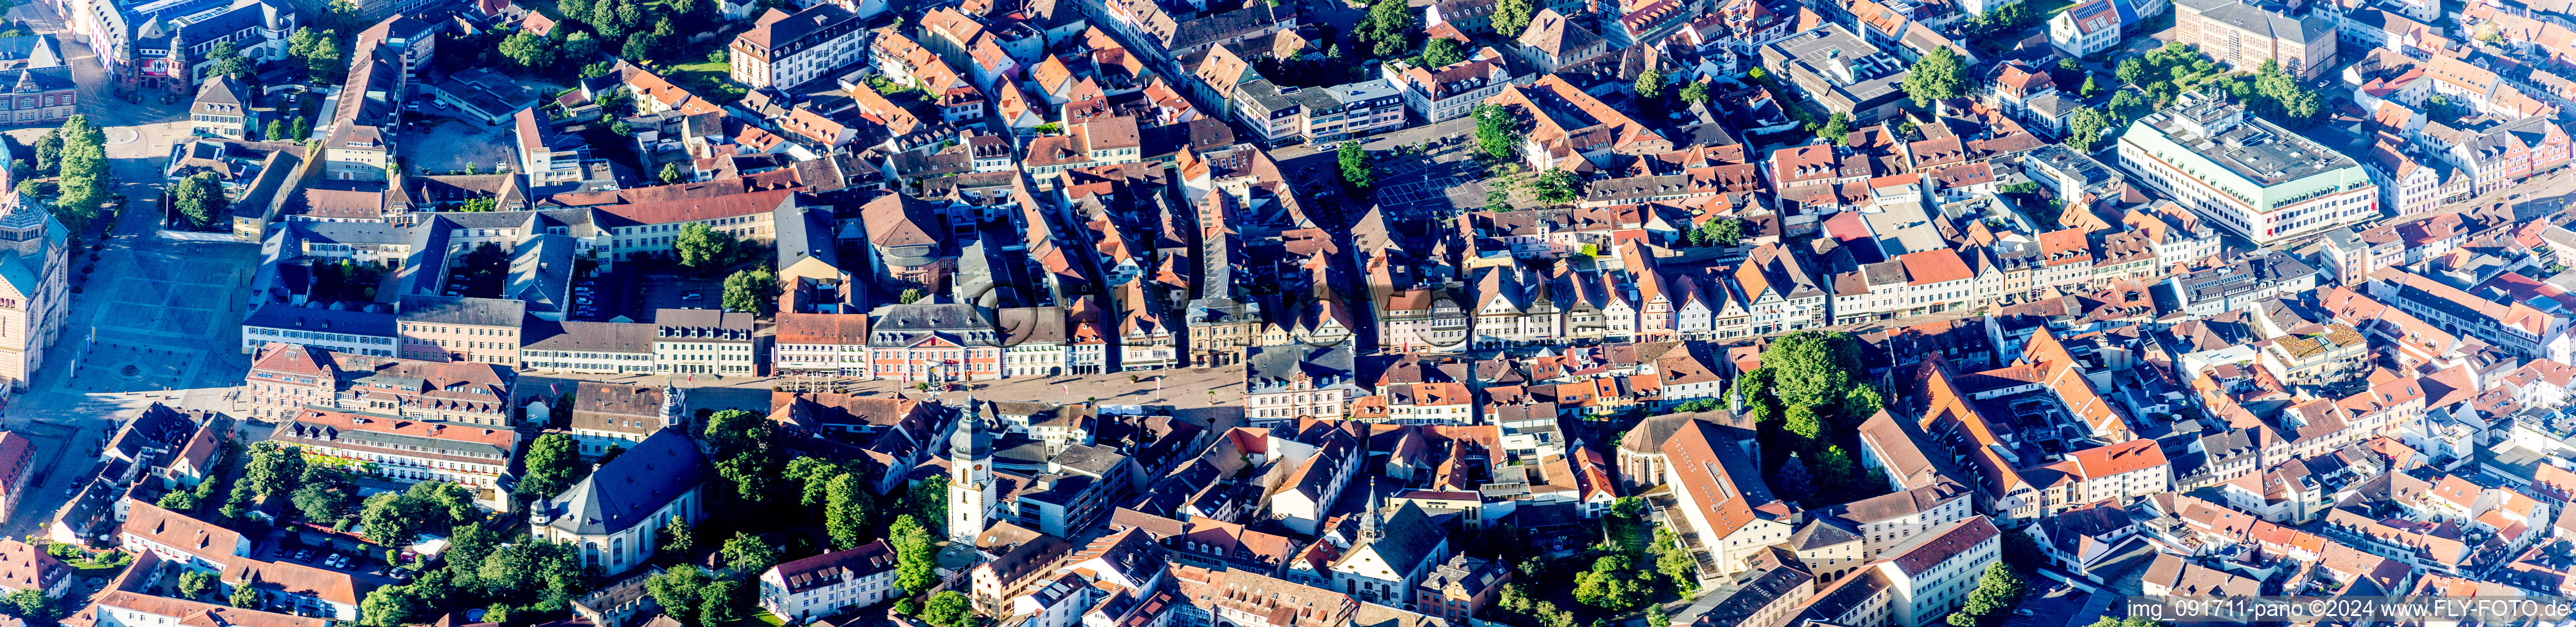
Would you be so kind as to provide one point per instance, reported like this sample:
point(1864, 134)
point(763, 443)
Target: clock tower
point(970, 476)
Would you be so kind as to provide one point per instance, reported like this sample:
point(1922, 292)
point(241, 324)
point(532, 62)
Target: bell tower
point(970, 475)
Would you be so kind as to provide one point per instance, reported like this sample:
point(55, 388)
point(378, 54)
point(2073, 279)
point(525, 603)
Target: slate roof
point(628, 489)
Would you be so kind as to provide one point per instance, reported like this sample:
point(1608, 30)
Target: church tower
point(970, 475)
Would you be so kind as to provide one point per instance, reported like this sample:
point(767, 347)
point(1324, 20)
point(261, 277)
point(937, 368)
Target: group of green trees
point(200, 202)
point(635, 30)
point(1632, 572)
point(1388, 31)
point(1358, 169)
point(479, 569)
point(320, 53)
point(1993, 599)
point(76, 153)
point(703, 251)
point(697, 598)
point(2163, 74)
point(1718, 232)
point(1939, 75)
point(2000, 28)
point(752, 289)
point(1811, 385)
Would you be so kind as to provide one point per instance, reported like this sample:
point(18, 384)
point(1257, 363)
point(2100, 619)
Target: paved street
point(164, 313)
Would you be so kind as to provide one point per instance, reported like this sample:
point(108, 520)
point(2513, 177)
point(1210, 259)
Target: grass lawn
point(708, 79)
point(2050, 8)
point(761, 619)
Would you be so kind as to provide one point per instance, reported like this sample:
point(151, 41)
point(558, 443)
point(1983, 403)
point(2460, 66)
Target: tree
point(575, 10)
point(324, 503)
point(277, 131)
point(1356, 167)
point(300, 44)
point(928, 504)
point(193, 584)
point(748, 454)
point(1440, 53)
point(949, 608)
point(178, 501)
point(681, 591)
point(1391, 23)
point(1938, 75)
point(31, 604)
point(671, 173)
point(551, 462)
point(1650, 83)
point(228, 61)
point(1673, 561)
point(1836, 128)
point(675, 536)
point(303, 128)
point(1497, 129)
point(813, 478)
point(200, 198)
point(2090, 88)
point(1811, 368)
point(393, 519)
point(1791, 482)
point(1719, 232)
point(2125, 106)
point(273, 468)
point(752, 289)
point(2084, 128)
point(1695, 92)
point(1861, 401)
point(1555, 187)
point(701, 248)
point(529, 50)
point(394, 606)
point(1801, 421)
point(1513, 16)
point(910, 295)
point(245, 595)
point(84, 184)
point(722, 601)
point(49, 151)
point(916, 567)
point(746, 554)
point(640, 45)
point(846, 510)
point(1833, 467)
point(320, 52)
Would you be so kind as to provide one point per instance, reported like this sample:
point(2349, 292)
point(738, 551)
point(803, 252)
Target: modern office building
point(2250, 176)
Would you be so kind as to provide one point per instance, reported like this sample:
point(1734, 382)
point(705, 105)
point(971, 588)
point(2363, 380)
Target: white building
point(406, 451)
point(2086, 28)
point(614, 513)
point(827, 584)
point(790, 50)
point(1932, 575)
point(1448, 92)
point(2259, 180)
point(592, 347)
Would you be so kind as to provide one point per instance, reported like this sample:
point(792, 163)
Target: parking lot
point(446, 145)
